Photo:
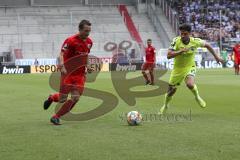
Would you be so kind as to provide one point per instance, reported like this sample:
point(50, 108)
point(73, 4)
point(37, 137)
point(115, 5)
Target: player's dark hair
point(149, 40)
point(83, 23)
point(185, 27)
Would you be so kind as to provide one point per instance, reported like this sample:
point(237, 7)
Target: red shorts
point(148, 66)
point(237, 60)
point(72, 82)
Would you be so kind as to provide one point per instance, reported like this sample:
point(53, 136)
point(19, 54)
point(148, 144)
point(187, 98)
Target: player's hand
point(90, 70)
point(220, 60)
point(63, 70)
point(184, 50)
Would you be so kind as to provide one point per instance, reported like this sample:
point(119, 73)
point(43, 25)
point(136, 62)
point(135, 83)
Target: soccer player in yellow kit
point(183, 50)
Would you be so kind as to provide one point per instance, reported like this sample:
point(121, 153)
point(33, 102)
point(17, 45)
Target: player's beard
point(185, 40)
point(83, 37)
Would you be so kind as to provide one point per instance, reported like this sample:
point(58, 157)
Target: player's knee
point(75, 99)
point(63, 98)
point(190, 85)
point(172, 91)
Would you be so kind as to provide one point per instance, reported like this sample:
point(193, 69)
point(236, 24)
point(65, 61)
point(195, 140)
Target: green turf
point(211, 134)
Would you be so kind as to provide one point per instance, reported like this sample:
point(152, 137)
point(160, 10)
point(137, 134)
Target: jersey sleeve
point(199, 42)
point(91, 44)
point(173, 45)
point(66, 47)
point(154, 50)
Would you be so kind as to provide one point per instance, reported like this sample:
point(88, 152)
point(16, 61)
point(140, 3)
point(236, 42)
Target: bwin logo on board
point(15, 70)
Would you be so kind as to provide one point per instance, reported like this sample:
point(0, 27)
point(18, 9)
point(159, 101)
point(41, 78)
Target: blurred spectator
point(224, 54)
point(36, 63)
point(204, 16)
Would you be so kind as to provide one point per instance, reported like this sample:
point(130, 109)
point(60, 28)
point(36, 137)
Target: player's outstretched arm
point(211, 50)
point(172, 53)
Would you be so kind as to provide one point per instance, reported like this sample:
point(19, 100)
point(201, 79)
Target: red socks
point(54, 97)
point(66, 107)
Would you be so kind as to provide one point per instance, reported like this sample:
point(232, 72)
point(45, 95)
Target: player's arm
point(171, 53)
point(89, 68)
point(211, 50)
point(61, 63)
point(65, 48)
point(173, 50)
point(232, 54)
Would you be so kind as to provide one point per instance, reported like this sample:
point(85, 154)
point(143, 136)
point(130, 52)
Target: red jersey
point(75, 54)
point(150, 54)
point(236, 50)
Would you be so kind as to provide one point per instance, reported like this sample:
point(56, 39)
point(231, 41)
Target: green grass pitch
point(212, 134)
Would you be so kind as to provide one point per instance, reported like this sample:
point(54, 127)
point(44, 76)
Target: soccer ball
point(134, 118)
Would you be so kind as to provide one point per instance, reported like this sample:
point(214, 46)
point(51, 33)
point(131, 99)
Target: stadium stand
point(40, 31)
point(145, 27)
point(204, 16)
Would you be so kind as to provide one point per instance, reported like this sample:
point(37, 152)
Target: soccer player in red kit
point(73, 66)
point(149, 62)
point(236, 52)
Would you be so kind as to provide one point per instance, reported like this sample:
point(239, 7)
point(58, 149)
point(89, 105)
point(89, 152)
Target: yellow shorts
point(178, 75)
